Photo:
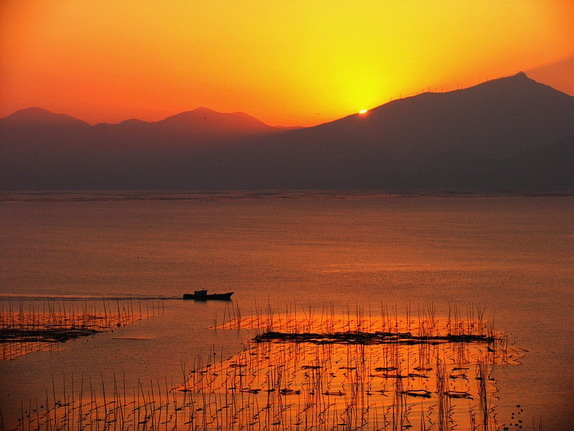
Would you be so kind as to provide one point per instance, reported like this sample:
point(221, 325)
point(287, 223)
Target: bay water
point(511, 254)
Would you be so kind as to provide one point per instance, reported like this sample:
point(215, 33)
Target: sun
point(363, 111)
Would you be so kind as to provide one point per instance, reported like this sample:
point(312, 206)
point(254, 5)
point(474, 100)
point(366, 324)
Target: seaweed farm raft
point(32, 326)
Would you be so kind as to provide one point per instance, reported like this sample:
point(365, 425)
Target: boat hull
point(209, 297)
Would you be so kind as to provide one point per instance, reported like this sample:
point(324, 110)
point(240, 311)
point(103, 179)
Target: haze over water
point(512, 254)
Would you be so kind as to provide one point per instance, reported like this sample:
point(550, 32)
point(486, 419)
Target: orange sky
point(287, 62)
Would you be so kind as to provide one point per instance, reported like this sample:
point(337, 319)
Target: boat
point(202, 295)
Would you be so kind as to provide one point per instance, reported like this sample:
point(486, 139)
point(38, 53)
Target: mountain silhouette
point(506, 134)
point(38, 117)
point(498, 118)
point(207, 121)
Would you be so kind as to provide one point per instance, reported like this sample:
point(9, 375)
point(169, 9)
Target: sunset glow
point(286, 214)
point(289, 63)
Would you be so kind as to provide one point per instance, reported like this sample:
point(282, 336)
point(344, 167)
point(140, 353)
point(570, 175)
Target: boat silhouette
point(202, 295)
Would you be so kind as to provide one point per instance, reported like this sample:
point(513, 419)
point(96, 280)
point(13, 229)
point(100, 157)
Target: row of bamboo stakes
point(287, 385)
point(27, 326)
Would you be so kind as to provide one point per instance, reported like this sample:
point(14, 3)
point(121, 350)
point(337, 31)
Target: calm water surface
point(512, 254)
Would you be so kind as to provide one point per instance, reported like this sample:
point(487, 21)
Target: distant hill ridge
point(199, 118)
point(38, 116)
point(509, 133)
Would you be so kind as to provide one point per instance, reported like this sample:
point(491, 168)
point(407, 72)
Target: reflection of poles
point(443, 402)
point(481, 376)
point(307, 385)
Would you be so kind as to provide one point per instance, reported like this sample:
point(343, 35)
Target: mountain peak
point(194, 114)
point(519, 80)
point(204, 113)
point(40, 117)
point(518, 77)
point(32, 111)
point(518, 85)
point(204, 110)
point(207, 120)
